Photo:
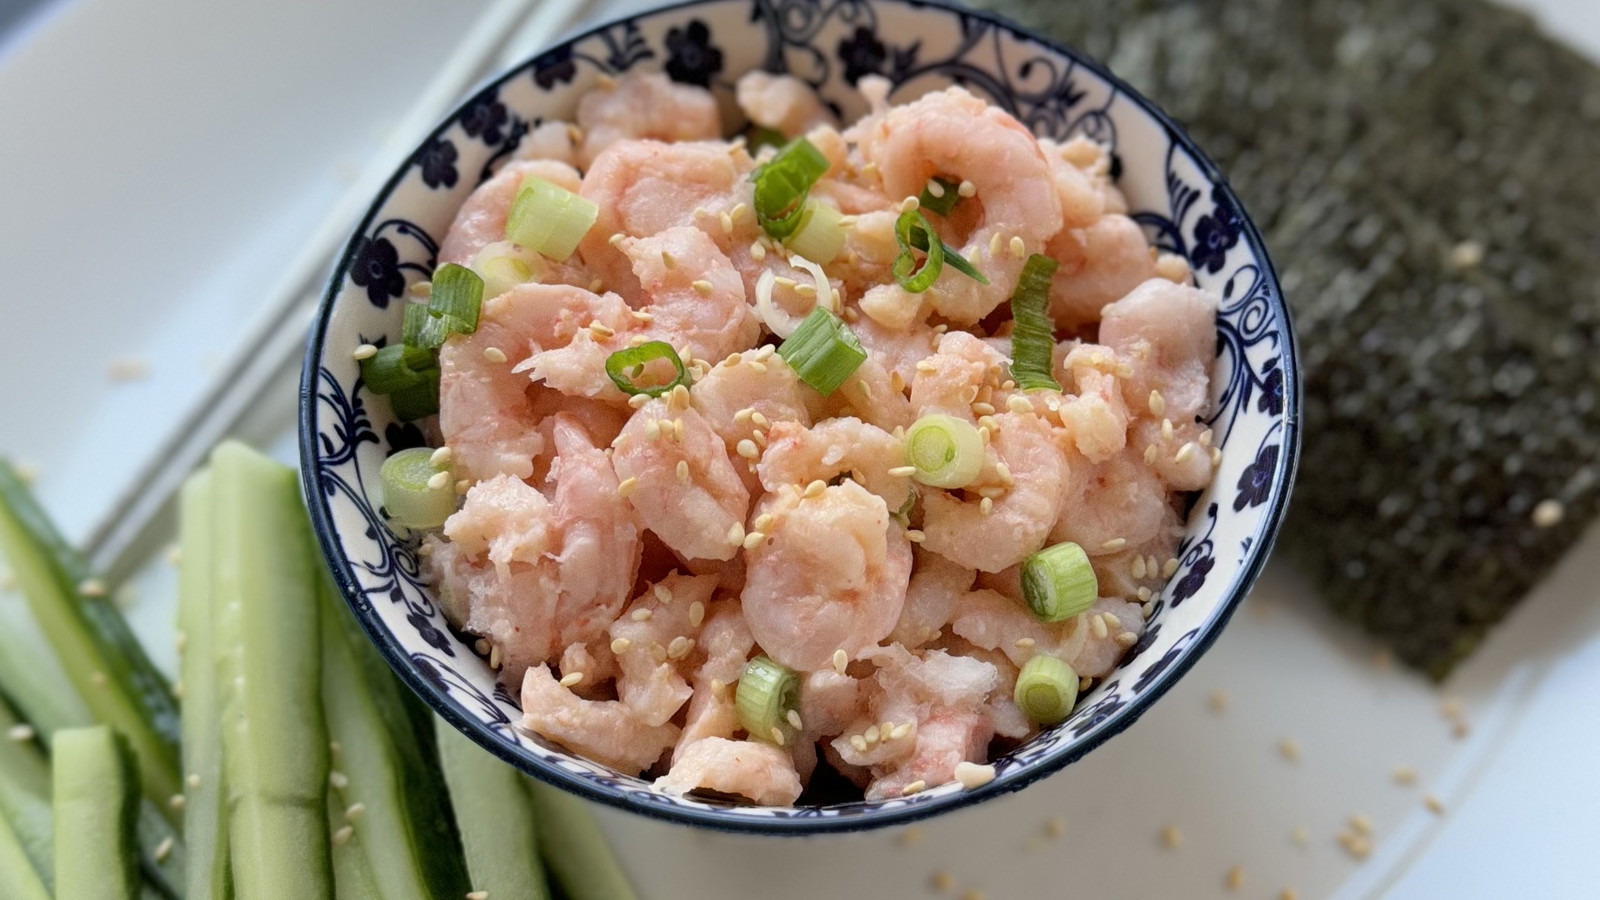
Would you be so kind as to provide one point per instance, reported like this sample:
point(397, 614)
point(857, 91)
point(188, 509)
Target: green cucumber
point(25, 798)
point(574, 848)
point(207, 873)
point(495, 815)
point(18, 880)
point(95, 791)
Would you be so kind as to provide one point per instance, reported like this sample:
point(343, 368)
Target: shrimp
point(692, 514)
point(1097, 417)
point(783, 103)
point(600, 546)
point(936, 587)
point(871, 394)
point(1082, 198)
point(656, 632)
point(645, 187)
point(993, 533)
point(951, 379)
point(696, 298)
point(1005, 718)
point(645, 106)
point(605, 731)
point(1104, 508)
point(943, 698)
point(1180, 455)
point(755, 381)
point(482, 218)
point(551, 139)
point(796, 455)
point(1170, 332)
point(956, 135)
point(991, 621)
point(898, 350)
point(593, 662)
point(757, 771)
point(829, 702)
point(830, 574)
point(1103, 648)
point(1100, 264)
point(723, 647)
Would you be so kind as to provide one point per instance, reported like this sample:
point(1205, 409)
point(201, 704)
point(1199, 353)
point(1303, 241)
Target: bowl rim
point(330, 544)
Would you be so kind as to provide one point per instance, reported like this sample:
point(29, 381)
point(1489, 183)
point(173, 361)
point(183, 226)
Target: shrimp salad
point(848, 448)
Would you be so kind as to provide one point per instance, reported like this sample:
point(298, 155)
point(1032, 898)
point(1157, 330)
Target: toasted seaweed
point(1425, 175)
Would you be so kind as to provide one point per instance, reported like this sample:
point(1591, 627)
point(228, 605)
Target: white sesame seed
point(753, 540)
point(727, 222)
point(703, 287)
point(915, 787)
point(841, 659)
point(793, 718)
point(777, 736)
point(1300, 835)
point(1289, 748)
point(1126, 639)
point(164, 849)
point(1169, 567)
point(478, 895)
point(601, 330)
point(1004, 472)
point(680, 647)
point(683, 471)
point(627, 487)
point(1138, 567)
point(668, 260)
point(1548, 513)
point(92, 587)
point(899, 731)
point(1150, 455)
point(815, 489)
point(1434, 804)
point(641, 615)
point(1405, 776)
point(941, 881)
point(1019, 405)
point(438, 481)
point(1158, 404)
point(915, 536)
point(983, 409)
point(1114, 545)
point(1361, 824)
point(736, 534)
point(193, 781)
point(697, 614)
point(178, 802)
point(858, 742)
point(903, 471)
point(1235, 878)
point(986, 505)
point(1184, 452)
point(1098, 625)
point(616, 238)
point(758, 252)
point(1205, 438)
point(972, 775)
point(20, 733)
point(364, 351)
point(638, 401)
point(747, 449)
point(1171, 838)
point(910, 204)
point(343, 836)
point(1019, 248)
point(994, 245)
point(621, 645)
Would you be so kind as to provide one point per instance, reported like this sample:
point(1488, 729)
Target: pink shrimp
point(1097, 416)
point(645, 106)
point(692, 513)
point(1118, 503)
point(830, 574)
point(1170, 332)
point(937, 586)
point(1104, 645)
point(1100, 264)
point(950, 380)
point(956, 135)
point(651, 639)
point(482, 218)
point(746, 384)
point(606, 731)
point(695, 297)
point(759, 772)
point(898, 350)
point(796, 455)
point(783, 103)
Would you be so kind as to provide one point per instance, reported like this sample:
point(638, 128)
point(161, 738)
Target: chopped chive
point(783, 184)
point(417, 401)
point(767, 692)
point(912, 232)
point(946, 451)
point(1046, 689)
point(1033, 338)
point(942, 202)
point(919, 241)
point(1058, 582)
point(416, 318)
point(396, 367)
point(823, 351)
point(624, 367)
point(408, 492)
point(549, 219)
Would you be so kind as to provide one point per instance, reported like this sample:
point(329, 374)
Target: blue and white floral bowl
point(1180, 198)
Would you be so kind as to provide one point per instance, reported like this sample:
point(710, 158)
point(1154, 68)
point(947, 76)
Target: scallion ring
point(952, 257)
point(823, 351)
point(549, 218)
point(819, 237)
point(409, 495)
point(782, 185)
point(621, 362)
point(766, 694)
point(453, 306)
point(947, 452)
point(1046, 690)
point(1033, 336)
point(912, 232)
point(395, 367)
point(1059, 583)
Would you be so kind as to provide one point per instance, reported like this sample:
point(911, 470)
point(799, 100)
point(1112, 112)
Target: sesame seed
point(747, 449)
point(92, 587)
point(753, 540)
point(1218, 701)
point(680, 647)
point(915, 536)
point(915, 787)
point(652, 429)
point(494, 657)
point(478, 895)
point(1055, 827)
point(986, 505)
point(627, 487)
point(668, 260)
point(1019, 248)
point(193, 781)
point(903, 471)
point(989, 422)
point(1184, 452)
point(697, 614)
point(702, 287)
point(927, 366)
point(736, 534)
point(1084, 684)
point(1434, 804)
point(601, 330)
point(760, 368)
point(841, 659)
point(815, 489)
point(164, 849)
point(642, 615)
point(910, 204)
point(777, 735)
point(1150, 455)
point(794, 719)
point(438, 481)
point(1166, 429)
point(941, 881)
point(131, 369)
point(1361, 824)
point(1235, 878)
point(1004, 472)
point(983, 409)
point(621, 645)
point(343, 836)
point(20, 733)
point(1158, 404)
point(1114, 545)
point(597, 286)
point(571, 678)
point(859, 743)
point(758, 252)
point(743, 415)
point(1171, 838)
point(897, 382)
point(1205, 438)
point(764, 521)
point(973, 775)
point(364, 351)
point(1300, 835)
point(98, 679)
point(1354, 844)
point(727, 222)
point(899, 731)
point(966, 188)
point(1098, 624)
point(1018, 405)
point(994, 245)
point(1288, 894)
point(759, 420)
point(683, 471)
point(1548, 514)
point(1138, 567)
point(1405, 776)
point(178, 802)
point(354, 811)
point(420, 288)
point(974, 894)
point(1289, 748)
point(638, 401)
point(1126, 639)
point(737, 211)
point(934, 188)
point(1169, 567)
point(1216, 457)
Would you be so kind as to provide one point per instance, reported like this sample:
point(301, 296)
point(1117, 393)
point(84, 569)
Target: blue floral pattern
point(1176, 195)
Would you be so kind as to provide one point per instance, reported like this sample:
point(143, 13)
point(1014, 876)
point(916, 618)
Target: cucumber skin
point(95, 791)
point(495, 815)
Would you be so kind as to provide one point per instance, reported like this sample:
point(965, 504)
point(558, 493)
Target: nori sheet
point(1425, 175)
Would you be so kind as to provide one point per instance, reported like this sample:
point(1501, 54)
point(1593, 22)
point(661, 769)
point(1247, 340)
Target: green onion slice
point(1033, 338)
point(920, 241)
point(416, 318)
point(453, 306)
point(823, 351)
point(820, 237)
point(1046, 690)
point(946, 451)
point(408, 496)
point(783, 184)
point(766, 693)
point(623, 366)
point(395, 368)
point(418, 401)
point(549, 218)
point(1059, 583)
point(945, 200)
point(912, 232)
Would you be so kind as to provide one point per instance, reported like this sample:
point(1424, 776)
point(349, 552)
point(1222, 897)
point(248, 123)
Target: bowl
point(1177, 194)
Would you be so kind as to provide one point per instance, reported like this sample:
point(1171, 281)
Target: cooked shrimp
point(694, 295)
point(1100, 264)
point(1081, 200)
point(830, 574)
point(693, 514)
point(783, 103)
point(870, 395)
point(650, 641)
point(956, 135)
point(988, 620)
point(1006, 719)
point(482, 218)
point(605, 731)
point(1096, 418)
point(760, 772)
point(951, 724)
point(642, 188)
point(599, 552)
point(1104, 508)
point(645, 106)
point(948, 381)
point(797, 456)
point(732, 393)
point(1098, 654)
point(723, 647)
point(1180, 455)
point(989, 536)
point(551, 139)
point(898, 350)
point(1169, 331)
point(829, 702)
point(593, 662)
point(937, 586)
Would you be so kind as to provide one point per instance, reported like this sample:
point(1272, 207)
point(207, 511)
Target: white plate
point(149, 207)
